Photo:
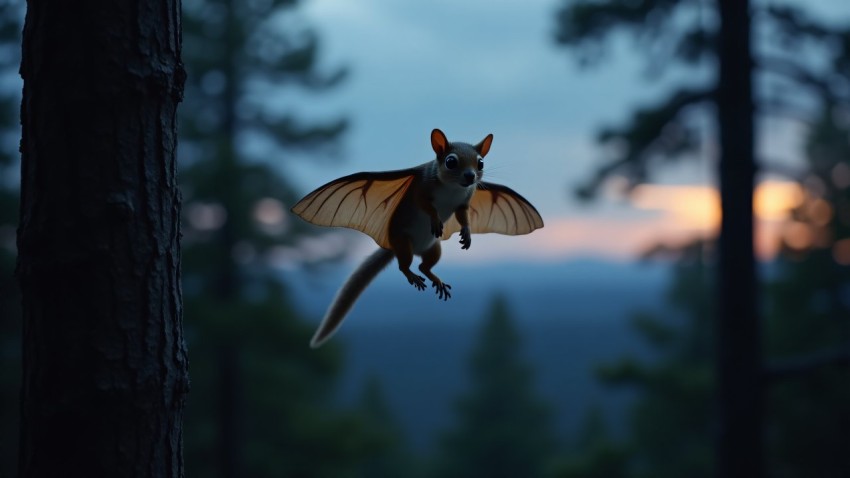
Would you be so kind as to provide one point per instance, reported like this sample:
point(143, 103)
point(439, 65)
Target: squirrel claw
point(442, 290)
point(465, 238)
point(417, 281)
point(437, 229)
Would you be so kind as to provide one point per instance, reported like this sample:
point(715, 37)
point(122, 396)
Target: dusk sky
point(476, 67)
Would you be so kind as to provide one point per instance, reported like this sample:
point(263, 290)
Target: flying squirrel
point(409, 211)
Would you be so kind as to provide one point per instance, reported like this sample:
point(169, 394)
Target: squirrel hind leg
point(429, 260)
point(404, 255)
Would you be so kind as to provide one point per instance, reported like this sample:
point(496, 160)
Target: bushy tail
point(349, 292)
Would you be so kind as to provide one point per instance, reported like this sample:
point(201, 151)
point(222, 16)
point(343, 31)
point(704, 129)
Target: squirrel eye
point(480, 164)
point(451, 161)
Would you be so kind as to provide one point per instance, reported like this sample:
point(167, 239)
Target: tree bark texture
point(739, 387)
point(105, 370)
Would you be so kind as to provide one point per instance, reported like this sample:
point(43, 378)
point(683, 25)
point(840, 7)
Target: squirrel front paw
point(465, 237)
point(437, 228)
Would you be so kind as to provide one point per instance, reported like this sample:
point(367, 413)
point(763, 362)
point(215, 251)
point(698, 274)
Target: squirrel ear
point(484, 146)
point(439, 142)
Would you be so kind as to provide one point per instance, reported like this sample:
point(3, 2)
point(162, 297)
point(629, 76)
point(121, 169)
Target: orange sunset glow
point(697, 208)
point(673, 214)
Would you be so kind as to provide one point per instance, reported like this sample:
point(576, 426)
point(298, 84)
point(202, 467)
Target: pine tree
point(596, 455)
point(235, 142)
point(260, 404)
point(806, 335)
point(503, 429)
point(389, 457)
point(676, 32)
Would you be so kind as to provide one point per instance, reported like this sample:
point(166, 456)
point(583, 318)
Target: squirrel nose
point(469, 176)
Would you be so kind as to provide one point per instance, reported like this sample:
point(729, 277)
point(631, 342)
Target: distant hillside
point(572, 315)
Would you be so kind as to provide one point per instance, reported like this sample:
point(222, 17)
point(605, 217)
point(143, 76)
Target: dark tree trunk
point(230, 411)
point(230, 438)
point(105, 367)
point(739, 389)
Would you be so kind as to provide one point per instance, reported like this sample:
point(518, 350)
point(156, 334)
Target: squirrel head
point(459, 163)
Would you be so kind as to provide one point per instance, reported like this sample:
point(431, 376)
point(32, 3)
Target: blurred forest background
point(585, 369)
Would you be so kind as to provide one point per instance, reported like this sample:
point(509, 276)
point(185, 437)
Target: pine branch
point(795, 72)
point(645, 136)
